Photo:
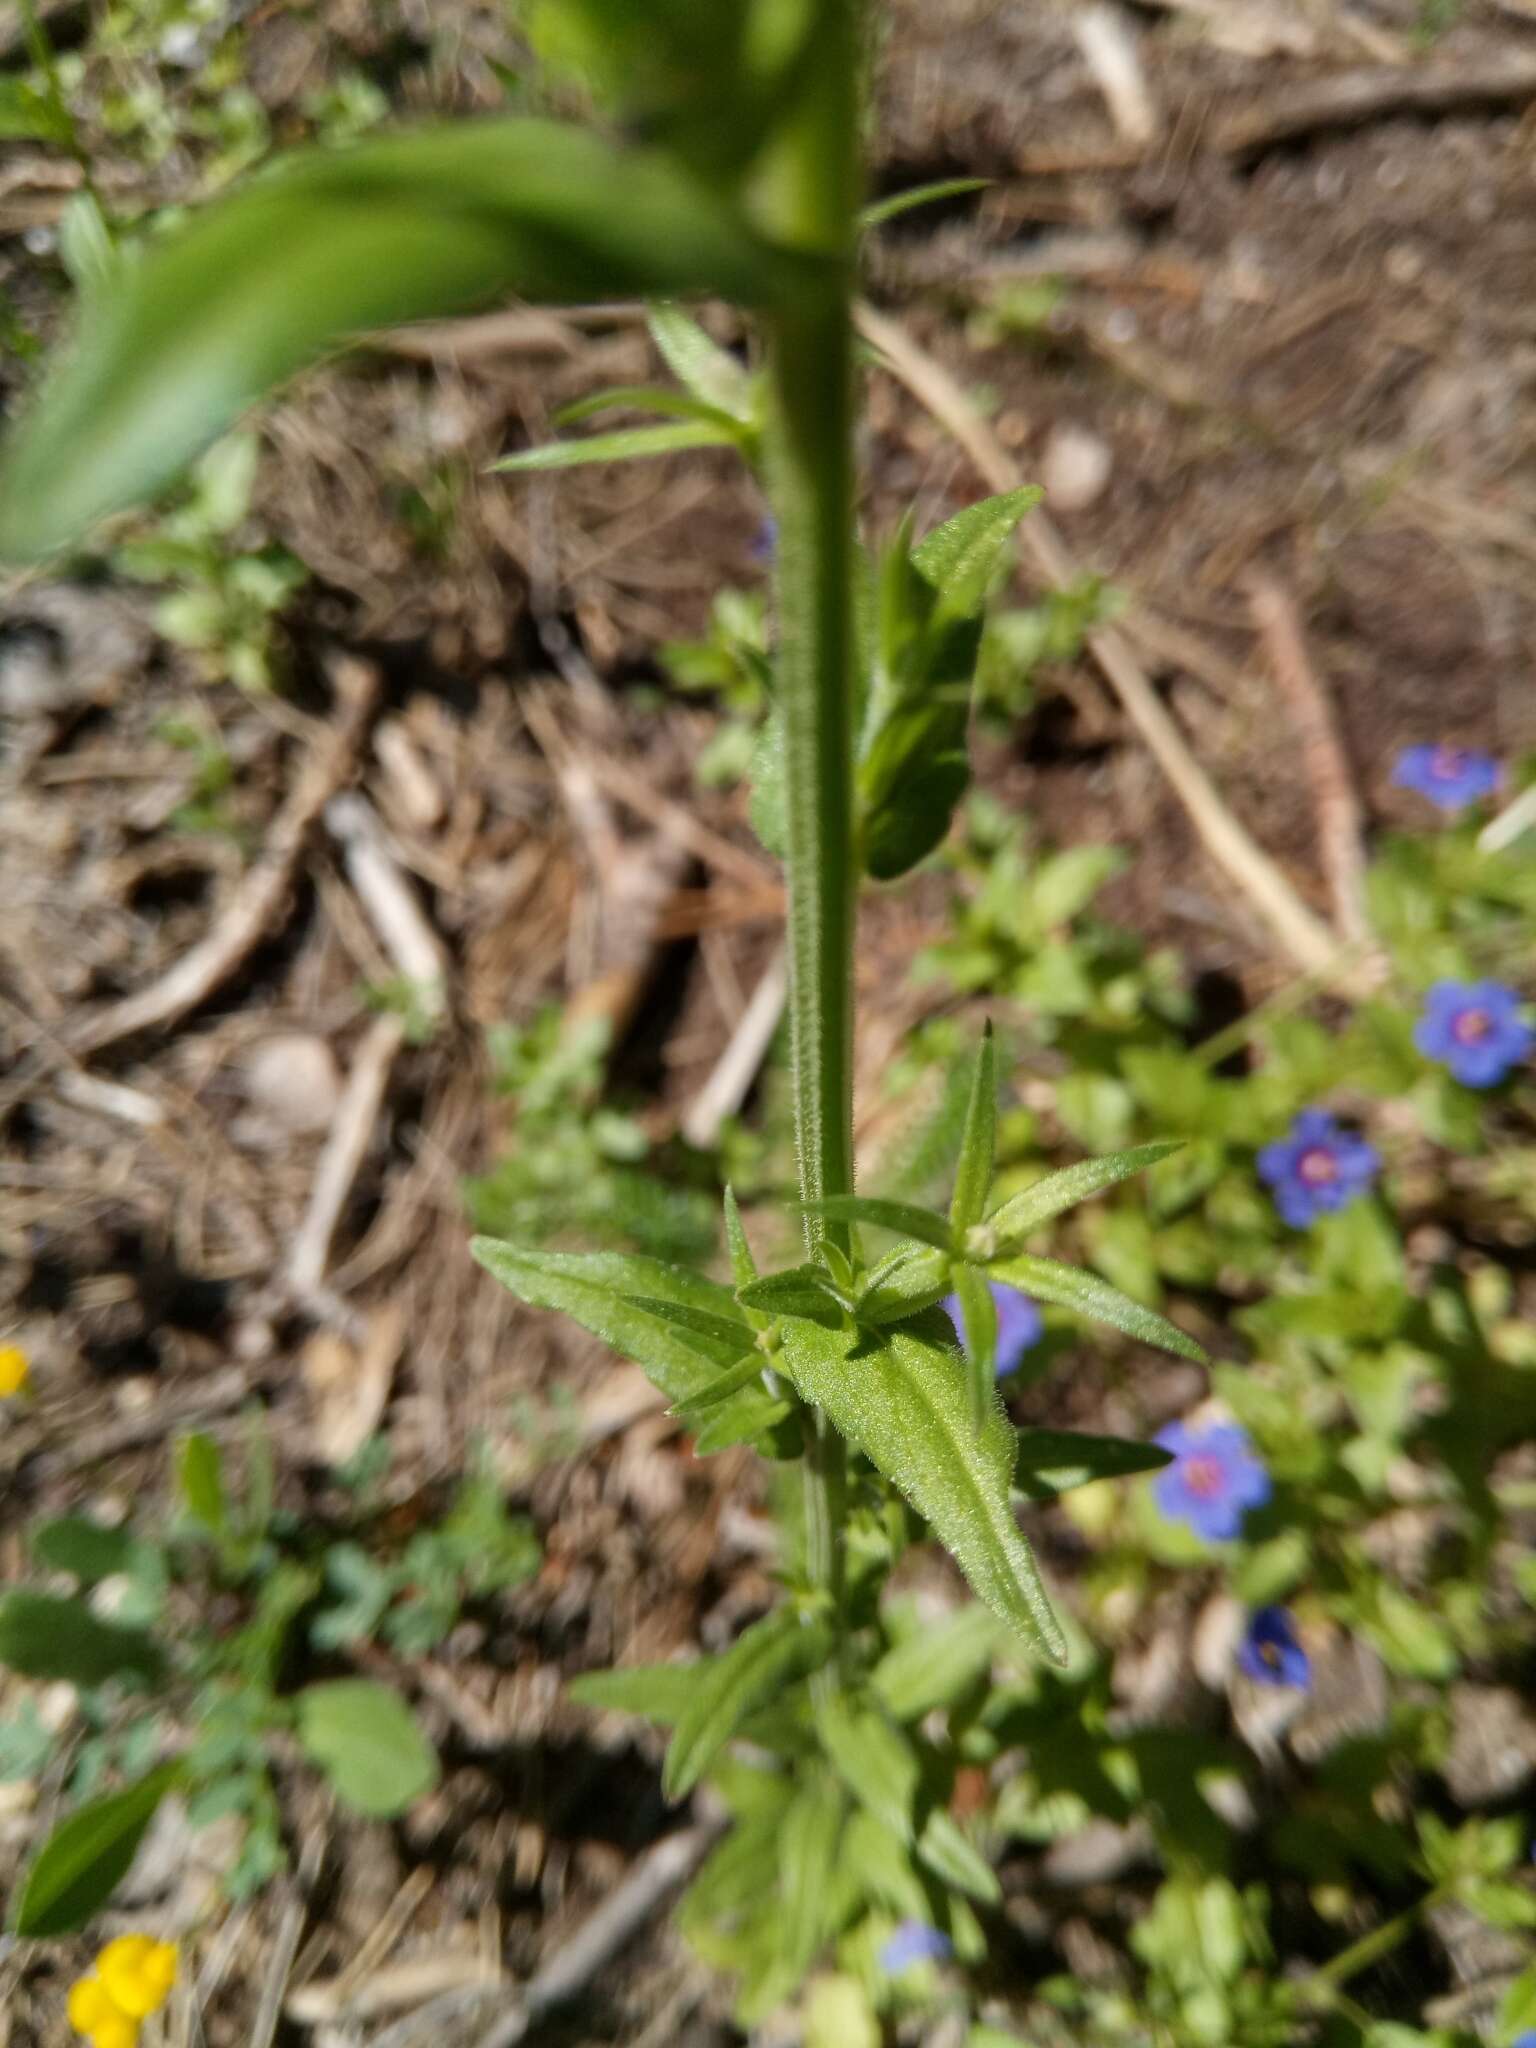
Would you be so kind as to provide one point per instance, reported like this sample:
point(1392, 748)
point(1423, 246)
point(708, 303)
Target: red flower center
point(1204, 1476)
point(1471, 1027)
point(1318, 1167)
point(1448, 763)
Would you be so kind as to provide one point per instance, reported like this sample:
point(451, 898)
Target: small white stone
point(293, 1078)
point(1075, 468)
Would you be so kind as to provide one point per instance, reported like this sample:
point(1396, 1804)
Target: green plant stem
point(1324, 1981)
point(810, 200)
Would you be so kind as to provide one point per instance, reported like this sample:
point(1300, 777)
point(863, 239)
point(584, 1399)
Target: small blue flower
point(1475, 1029)
point(1270, 1653)
point(1019, 1325)
point(1451, 777)
point(1527, 2039)
point(1318, 1167)
point(1213, 1481)
point(914, 1942)
point(765, 542)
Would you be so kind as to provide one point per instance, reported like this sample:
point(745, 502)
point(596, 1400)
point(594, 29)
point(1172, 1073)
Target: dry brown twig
point(1308, 941)
point(662, 1871)
point(262, 891)
point(1349, 99)
point(1340, 822)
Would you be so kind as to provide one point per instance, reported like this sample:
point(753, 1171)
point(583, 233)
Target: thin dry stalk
point(346, 1147)
point(1340, 821)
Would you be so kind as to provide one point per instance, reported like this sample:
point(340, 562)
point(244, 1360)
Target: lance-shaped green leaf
point(331, 243)
point(87, 1857)
point(706, 369)
point(731, 1333)
point(599, 1290)
point(912, 1278)
point(1035, 1205)
point(978, 1142)
point(978, 1316)
point(945, 1849)
point(919, 195)
point(753, 1671)
point(913, 765)
point(742, 1374)
point(672, 405)
point(874, 1760)
point(808, 1843)
point(1051, 1461)
point(959, 559)
point(45, 1636)
point(907, 1218)
point(798, 1291)
point(936, 1665)
point(743, 1264)
point(626, 444)
point(715, 1416)
point(901, 1401)
point(1070, 1287)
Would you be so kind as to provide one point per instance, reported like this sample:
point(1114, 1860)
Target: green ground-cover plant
point(889, 1761)
point(184, 1643)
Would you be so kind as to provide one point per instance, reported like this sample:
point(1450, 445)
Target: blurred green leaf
point(919, 195)
point(937, 1664)
point(661, 1692)
point(727, 1689)
point(89, 1550)
point(710, 372)
point(45, 1636)
point(945, 1849)
point(627, 444)
point(329, 244)
point(201, 1474)
point(1051, 1461)
point(365, 1738)
point(86, 1858)
point(808, 1857)
point(874, 1760)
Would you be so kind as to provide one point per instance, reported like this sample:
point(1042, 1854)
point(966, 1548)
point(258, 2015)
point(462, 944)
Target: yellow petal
point(88, 2005)
point(121, 1968)
point(116, 2032)
point(15, 1370)
point(160, 1966)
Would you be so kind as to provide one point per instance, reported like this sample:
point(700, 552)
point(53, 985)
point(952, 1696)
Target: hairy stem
point(810, 199)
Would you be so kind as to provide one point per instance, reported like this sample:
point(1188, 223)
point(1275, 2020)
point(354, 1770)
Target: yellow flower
point(133, 1978)
point(93, 2013)
point(137, 1974)
point(14, 1370)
